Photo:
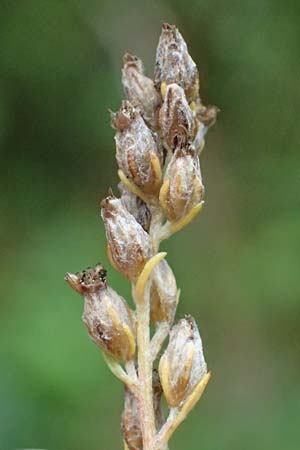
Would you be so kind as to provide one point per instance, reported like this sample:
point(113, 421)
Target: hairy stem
point(147, 419)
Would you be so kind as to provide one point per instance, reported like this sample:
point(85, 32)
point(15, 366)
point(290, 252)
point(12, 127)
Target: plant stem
point(147, 419)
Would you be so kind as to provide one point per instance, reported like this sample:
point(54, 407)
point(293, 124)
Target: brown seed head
point(174, 64)
point(108, 319)
point(129, 244)
point(182, 188)
point(110, 323)
point(137, 153)
point(140, 89)
point(182, 365)
point(176, 119)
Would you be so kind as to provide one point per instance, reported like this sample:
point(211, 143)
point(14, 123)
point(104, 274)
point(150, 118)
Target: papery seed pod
point(182, 365)
point(163, 293)
point(174, 64)
point(136, 206)
point(176, 119)
point(130, 424)
point(129, 245)
point(131, 428)
point(107, 317)
point(182, 188)
point(139, 89)
point(137, 153)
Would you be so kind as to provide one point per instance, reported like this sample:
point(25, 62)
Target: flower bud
point(176, 119)
point(131, 428)
point(140, 89)
point(136, 206)
point(174, 64)
point(182, 365)
point(163, 293)
point(107, 317)
point(182, 188)
point(129, 245)
point(137, 153)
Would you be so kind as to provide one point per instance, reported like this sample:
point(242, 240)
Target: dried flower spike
point(160, 131)
point(182, 365)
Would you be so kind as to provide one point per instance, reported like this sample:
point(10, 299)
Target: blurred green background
point(237, 264)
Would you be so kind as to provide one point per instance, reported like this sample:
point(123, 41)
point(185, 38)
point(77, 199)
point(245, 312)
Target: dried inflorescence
point(159, 135)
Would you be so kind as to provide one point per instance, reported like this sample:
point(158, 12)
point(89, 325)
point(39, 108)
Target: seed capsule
point(163, 293)
point(182, 365)
point(129, 245)
point(176, 119)
point(137, 153)
point(182, 188)
point(131, 428)
point(140, 89)
point(108, 319)
point(174, 64)
point(136, 206)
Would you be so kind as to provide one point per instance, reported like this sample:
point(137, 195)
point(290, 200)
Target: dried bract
point(182, 188)
point(176, 119)
point(182, 365)
point(174, 64)
point(107, 317)
point(137, 153)
point(129, 245)
point(139, 89)
point(163, 294)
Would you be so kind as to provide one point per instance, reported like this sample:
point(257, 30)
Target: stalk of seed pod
point(176, 119)
point(107, 317)
point(182, 365)
point(174, 64)
point(182, 188)
point(131, 428)
point(163, 294)
point(129, 246)
point(137, 153)
point(139, 89)
point(136, 206)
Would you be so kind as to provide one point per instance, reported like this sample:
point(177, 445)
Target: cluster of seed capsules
point(160, 131)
